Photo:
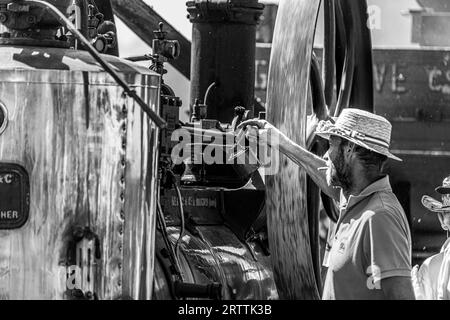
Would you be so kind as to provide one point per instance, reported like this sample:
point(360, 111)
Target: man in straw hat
point(370, 255)
point(432, 280)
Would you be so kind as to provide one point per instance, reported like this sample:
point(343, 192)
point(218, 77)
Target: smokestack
point(223, 54)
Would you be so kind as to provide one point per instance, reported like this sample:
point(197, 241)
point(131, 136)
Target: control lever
point(240, 138)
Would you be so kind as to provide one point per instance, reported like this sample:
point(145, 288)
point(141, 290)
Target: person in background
point(431, 281)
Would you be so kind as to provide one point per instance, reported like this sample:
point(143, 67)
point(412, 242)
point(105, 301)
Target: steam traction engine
point(97, 202)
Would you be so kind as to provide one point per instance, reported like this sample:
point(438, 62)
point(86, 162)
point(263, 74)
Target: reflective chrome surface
point(91, 155)
point(217, 255)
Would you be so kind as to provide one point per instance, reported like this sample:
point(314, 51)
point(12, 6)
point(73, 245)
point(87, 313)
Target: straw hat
point(363, 128)
point(445, 188)
point(435, 205)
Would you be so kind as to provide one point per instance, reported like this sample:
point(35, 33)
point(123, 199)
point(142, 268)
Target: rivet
point(31, 19)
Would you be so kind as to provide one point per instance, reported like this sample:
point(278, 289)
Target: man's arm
point(398, 288)
point(302, 157)
point(311, 163)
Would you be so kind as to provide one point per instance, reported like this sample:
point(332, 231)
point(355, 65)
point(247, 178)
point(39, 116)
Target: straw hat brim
point(443, 190)
point(369, 146)
point(434, 205)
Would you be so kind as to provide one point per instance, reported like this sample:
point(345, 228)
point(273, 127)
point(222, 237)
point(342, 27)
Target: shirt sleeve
point(387, 247)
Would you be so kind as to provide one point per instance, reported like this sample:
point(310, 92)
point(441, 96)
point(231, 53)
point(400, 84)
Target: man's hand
point(263, 131)
point(267, 133)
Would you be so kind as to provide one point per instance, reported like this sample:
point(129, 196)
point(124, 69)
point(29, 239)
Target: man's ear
point(350, 150)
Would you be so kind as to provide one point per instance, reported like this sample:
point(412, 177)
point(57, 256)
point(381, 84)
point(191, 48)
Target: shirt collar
point(382, 184)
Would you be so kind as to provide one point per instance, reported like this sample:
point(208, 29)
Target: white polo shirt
point(371, 242)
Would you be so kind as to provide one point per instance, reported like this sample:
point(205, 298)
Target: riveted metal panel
point(91, 157)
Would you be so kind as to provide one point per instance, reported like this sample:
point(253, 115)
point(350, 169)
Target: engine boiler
point(78, 157)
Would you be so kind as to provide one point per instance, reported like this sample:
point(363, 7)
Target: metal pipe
point(183, 224)
point(160, 122)
point(138, 58)
point(173, 257)
point(208, 91)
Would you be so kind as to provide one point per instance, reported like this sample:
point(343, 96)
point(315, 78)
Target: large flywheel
point(293, 201)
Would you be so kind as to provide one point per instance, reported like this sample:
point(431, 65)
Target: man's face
point(338, 173)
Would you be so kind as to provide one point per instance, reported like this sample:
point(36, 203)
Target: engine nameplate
point(14, 196)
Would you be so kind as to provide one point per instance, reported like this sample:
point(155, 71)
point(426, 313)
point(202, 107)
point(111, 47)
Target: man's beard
point(339, 174)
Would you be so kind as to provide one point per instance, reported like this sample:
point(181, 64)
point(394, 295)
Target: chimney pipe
point(223, 55)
